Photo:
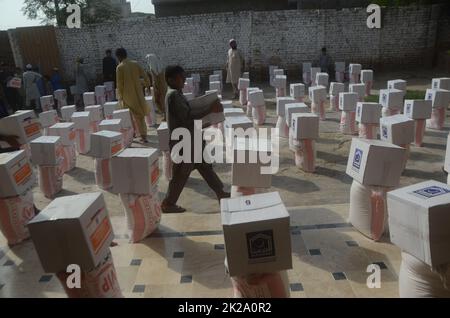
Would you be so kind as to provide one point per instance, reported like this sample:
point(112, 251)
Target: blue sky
point(11, 15)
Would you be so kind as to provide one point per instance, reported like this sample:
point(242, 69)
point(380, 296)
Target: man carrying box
point(180, 115)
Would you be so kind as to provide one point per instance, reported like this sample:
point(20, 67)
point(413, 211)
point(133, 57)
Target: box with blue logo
point(398, 130)
point(419, 221)
point(418, 109)
point(375, 162)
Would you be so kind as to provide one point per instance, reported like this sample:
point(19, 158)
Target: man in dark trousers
point(109, 67)
point(180, 115)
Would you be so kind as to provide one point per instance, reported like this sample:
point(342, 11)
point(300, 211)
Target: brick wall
point(288, 38)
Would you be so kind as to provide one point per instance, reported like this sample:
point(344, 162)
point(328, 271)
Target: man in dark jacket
point(109, 67)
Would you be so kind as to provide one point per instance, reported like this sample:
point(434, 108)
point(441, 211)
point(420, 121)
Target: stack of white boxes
point(114, 125)
point(318, 97)
point(419, 111)
point(282, 127)
point(96, 112)
point(151, 117)
point(48, 119)
point(368, 116)
point(127, 125)
point(66, 131)
point(16, 195)
point(272, 69)
point(314, 72)
point(243, 85)
point(305, 131)
point(335, 90)
point(347, 104)
point(258, 245)
point(376, 167)
point(89, 99)
point(392, 101)
point(367, 80)
point(398, 84)
point(340, 72)
point(86, 218)
point(61, 98)
point(355, 73)
point(249, 109)
point(290, 110)
point(359, 89)
point(440, 99)
point(197, 80)
point(298, 92)
point(47, 153)
point(104, 145)
point(233, 127)
point(233, 112)
point(441, 83)
point(47, 103)
point(67, 112)
point(280, 83)
point(419, 219)
point(258, 105)
point(83, 123)
point(100, 95)
point(215, 84)
point(110, 89)
point(322, 79)
point(306, 72)
point(135, 174)
point(109, 108)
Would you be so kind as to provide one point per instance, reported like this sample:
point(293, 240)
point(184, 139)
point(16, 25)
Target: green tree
point(55, 11)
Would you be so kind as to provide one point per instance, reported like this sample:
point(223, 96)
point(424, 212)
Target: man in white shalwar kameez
point(235, 66)
point(32, 94)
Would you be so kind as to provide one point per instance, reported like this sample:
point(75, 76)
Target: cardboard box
point(109, 86)
point(340, 66)
point(243, 83)
point(418, 109)
point(72, 230)
point(125, 115)
point(227, 104)
point(280, 81)
point(307, 67)
point(111, 125)
point(251, 89)
point(246, 75)
point(96, 112)
point(235, 122)
point(135, 170)
point(440, 98)
point(89, 99)
point(375, 162)
point(47, 102)
point(215, 86)
point(60, 94)
point(322, 79)
point(397, 84)
point(16, 174)
point(66, 131)
point(257, 234)
point(368, 113)
point(214, 78)
point(256, 98)
point(348, 101)
point(398, 130)
point(196, 77)
point(23, 124)
point(247, 164)
point(67, 112)
point(297, 90)
point(355, 69)
point(109, 108)
point(305, 126)
point(295, 108)
point(336, 88)
point(233, 112)
point(359, 89)
point(392, 98)
point(366, 76)
point(314, 72)
point(105, 144)
point(278, 72)
point(419, 219)
point(204, 102)
point(82, 120)
point(48, 118)
point(163, 136)
point(46, 150)
point(442, 83)
point(281, 105)
point(219, 73)
point(318, 94)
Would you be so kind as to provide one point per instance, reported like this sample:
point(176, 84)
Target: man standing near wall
point(235, 66)
point(30, 82)
point(109, 67)
point(325, 61)
point(131, 92)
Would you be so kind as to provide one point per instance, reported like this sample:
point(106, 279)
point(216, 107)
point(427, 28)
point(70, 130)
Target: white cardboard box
point(418, 109)
point(257, 234)
point(251, 89)
point(100, 90)
point(442, 83)
point(235, 122)
point(244, 83)
point(89, 99)
point(398, 130)
point(135, 170)
point(23, 124)
point(295, 108)
point(204, 102)
point(375, 162)
point(48, 118)
point(96, 112)
point(355, 68)
point(64, 130)
point(366, 76)
point(307, 67)
point(419, 219)
point(227, 104)
point(305, 126)
point(233, 112)
point(368, 113)
point(314, 72)
point(214, 78)
point(336, 88)
point(109, 108)
point(322, 79)
point(67, 112)
point(397, 84)
point(340, 66)
point(46, 150)
point(246, 75)
point(256, 98)
point(111, 125)
point(72, 230)
point(215, 86)
point(280, 81)
point(47, 102)
point(297, 90)
point(440, 98)
point(318, 94)
point(60, 94)
point(281, 105)
point(82, 120)
point(359, 89)
point(125, 115)
point(16, 174)
point(348, 101)
point(391, 98)
point(105, 144)
point(163, 136)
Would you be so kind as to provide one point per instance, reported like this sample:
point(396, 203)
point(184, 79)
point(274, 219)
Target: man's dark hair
point(172, 71)
point(108, 51)
point(121, 53)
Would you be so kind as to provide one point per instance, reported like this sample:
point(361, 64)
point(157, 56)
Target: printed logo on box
point(384, 98)
point(432, 192)
point(359, 111)
point(357, 159)
point(260, 245)
point(408, 108)
point(385, 132)
point(430, 96)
